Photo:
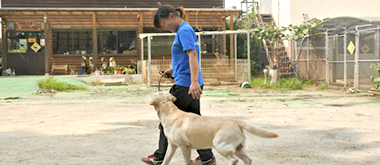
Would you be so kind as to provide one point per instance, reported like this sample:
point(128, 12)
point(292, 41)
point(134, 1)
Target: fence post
point(377, 42)
point(356, 72)
point(327, 56)
point(308, 58)
point(200, 51)
point(345, 58)
point(142, 53)
point(235, 36)
point(149, 60)
point(249, 55)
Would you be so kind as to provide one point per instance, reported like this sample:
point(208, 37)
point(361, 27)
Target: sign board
point(10, 25)
point(42, 42)
point(365, 48)
point(35, 47)
point(26, 25)
point(30, 40)
point(351, 47)
point(23, 44)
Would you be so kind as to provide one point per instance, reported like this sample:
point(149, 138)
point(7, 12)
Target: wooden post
point(231, 41)
point(94, 40)
point(4, 45)
point(47, 50)
point(223, 45)
point(140, 30)
point(187, 17)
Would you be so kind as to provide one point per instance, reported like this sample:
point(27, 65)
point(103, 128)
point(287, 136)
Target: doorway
point(26, 52)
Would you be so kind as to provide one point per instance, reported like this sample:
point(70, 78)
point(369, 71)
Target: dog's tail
point(257, 130)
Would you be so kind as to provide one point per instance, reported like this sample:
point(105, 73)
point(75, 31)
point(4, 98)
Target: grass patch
point(96, 83)
point(50, 83)
point(323, 86)
point(290, 83)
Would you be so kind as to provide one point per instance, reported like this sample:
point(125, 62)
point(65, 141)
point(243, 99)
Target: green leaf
point(377, 79)
point(305, 31)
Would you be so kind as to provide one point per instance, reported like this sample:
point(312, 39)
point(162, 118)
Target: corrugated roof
point(351, 23)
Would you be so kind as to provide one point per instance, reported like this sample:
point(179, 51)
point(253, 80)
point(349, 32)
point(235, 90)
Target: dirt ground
point(116, 125)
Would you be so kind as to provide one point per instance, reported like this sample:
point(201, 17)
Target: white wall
point(265, 6)
point(287, 12)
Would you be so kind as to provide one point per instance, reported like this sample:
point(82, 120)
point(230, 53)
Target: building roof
point(118, 9)
point(339, 24)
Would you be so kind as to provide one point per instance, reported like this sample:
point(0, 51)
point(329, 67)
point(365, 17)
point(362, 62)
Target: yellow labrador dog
point(191, 131)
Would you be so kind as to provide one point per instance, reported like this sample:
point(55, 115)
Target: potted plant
point(133, 65)
point(128, 71)
point(116, 69)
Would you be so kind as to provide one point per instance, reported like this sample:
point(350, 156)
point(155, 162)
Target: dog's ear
point(172, 98)
point(154, 101)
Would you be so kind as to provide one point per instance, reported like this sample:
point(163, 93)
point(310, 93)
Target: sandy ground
point(107, 126)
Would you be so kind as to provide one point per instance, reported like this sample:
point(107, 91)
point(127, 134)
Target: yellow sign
point(365, 48)
point(35, 47)
point(351, 47)
point(32, 40)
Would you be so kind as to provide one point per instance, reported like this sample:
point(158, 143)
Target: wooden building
point(39, 34)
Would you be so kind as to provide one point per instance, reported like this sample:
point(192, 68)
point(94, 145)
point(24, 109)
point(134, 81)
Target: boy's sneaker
point(211, 161)
point(151, 159)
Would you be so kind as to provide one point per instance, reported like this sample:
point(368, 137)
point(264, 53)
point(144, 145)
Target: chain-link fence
point(346, 56)
point(310, 57)
point(218, 66)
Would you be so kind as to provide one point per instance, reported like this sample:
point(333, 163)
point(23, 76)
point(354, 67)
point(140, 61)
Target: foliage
point(250, 19)
point(292, 32)
point(269, 33)
point(256, 64)
point(51, 83)
point(110, 68)
point(283, 83)
point(376, 78)
point(323, 86)
point(128, 70)
point(96, 83)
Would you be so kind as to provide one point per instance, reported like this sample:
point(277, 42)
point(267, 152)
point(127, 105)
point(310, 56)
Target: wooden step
point(287, 73)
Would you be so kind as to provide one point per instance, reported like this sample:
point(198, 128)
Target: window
point(25, 42)
point(72, 41)
point(159, 44)
point(211, 43)
point(116, 41)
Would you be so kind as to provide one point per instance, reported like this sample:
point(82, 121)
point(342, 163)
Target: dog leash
point(159, 81)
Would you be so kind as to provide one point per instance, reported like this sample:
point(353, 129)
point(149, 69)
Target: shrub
point(283, 83)
point(50, 83)
point(376, 78)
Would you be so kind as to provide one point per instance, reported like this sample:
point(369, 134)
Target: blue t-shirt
point(185, 39)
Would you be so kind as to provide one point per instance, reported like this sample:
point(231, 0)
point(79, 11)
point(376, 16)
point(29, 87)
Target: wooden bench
point(58, 67)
